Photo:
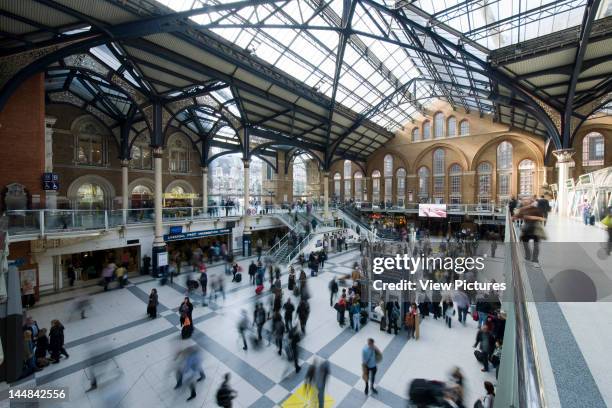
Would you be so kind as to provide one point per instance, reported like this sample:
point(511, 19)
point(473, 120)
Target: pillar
point(11, 332)
point(564, 159)
point(326, 195)
point(50, 196)
point(124, 189)
point(246, 235)
point(204, 190)
point(246, 184)
point(159, 246)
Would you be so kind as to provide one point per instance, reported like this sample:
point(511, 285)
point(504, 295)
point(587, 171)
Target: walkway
point(573, 290)
point(118, 334)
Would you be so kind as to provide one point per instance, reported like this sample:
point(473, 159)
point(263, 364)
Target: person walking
point(449, 312)
point(303, 311)
point(370, 357)
point(485, 340)
point(356, 312)
point(333, 291)
point(259, 248)
point(56, 341)
point(243, 326)
point(107, 274)
point(489, 398)
point(322, 375)
point(294, 338)
point(394, 316)
point(186, 309)
point(532, 229)
point(289, 309)
point(252, 272)
point(278, 329)
point(259, 319)
point(586, 211)
point(152, 305)
point(225, 393)
point(191, 364)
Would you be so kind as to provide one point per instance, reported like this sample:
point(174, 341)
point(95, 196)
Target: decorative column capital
point(564, 155)
point(158, 152)
point(326, 174)
point(247, 163)
point(205, 170)
point(125, 162)
point(50, 121)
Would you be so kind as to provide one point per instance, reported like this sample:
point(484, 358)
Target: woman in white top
point(487, 400)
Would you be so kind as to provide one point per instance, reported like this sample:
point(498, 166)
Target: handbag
point(364, 372)
point(607, 221)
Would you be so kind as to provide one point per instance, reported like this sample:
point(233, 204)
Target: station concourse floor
point(138, 353)
point(573, 335)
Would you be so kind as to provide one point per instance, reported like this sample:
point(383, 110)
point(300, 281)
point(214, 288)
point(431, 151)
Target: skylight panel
point(106, 56)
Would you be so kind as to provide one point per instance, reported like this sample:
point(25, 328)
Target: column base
point(159, 261)
point(247, 244)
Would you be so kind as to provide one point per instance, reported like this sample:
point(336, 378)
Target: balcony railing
point(43, 222)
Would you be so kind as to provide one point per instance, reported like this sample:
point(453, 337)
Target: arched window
point(451, 127)
point(504, 170)
point(348, 170)
point(454, 176)
point(90, 142)
point(178, 154)
point(375, 187)
point(337, 180)
point(464, 127)
point(439, 125)
point(504, 156)
point(484, 182)
point(358, 186)
point(400, 176)
point(426, 130)
point(388, 171)
point(142, 197)
point(300, 176)
point(90, 196)
point(593, 149)
point(423, 174)
point(141, 153)
point(439, 174)
point(415, 134)
point(526, 170)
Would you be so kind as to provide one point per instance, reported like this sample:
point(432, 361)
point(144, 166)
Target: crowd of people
point(40, 349)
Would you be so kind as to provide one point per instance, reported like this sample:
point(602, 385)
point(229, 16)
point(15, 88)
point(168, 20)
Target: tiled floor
point(137, 354)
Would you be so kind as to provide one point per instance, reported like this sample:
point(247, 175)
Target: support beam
point(125, 199)
point(564, 159)
point(205, 190)
point(587, 23)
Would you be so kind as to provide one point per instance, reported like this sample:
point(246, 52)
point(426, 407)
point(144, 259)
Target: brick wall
point(22, 132)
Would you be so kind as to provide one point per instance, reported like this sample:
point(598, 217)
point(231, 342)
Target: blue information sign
point(50, 181)
point(195, 234)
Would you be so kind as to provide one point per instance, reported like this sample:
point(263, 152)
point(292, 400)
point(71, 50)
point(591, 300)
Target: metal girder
point(367, 114)
point(348, 10)
point(587, 22)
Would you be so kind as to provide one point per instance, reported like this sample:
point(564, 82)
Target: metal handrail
point(530, 382)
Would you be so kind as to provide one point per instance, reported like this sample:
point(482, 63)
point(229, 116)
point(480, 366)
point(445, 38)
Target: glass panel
point(438, 125)
point(415, 134)
point(426, 131)
point(451, 128)
point(464, 128)
point(504, 156)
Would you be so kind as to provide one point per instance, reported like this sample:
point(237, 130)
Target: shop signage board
point(196, 234)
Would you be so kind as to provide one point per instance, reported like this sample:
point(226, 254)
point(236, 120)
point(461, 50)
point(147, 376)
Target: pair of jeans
point(482, 318)
point(356, 323)
point(462, 314)
point(371, 378)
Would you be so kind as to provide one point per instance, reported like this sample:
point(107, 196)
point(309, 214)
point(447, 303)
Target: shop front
point(182, 245)
point(86, 267)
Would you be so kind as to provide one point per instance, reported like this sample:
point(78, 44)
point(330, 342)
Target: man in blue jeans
point(368, 362)
point(586, 212)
